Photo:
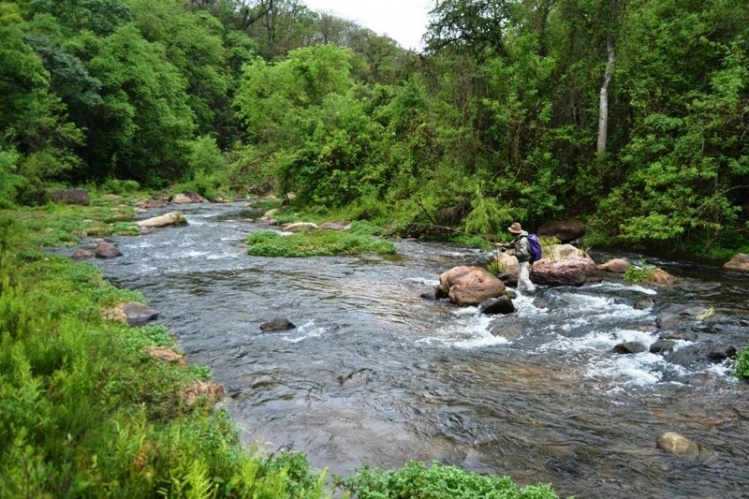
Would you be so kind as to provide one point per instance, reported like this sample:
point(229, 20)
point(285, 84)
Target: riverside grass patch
point(86, 411)
point(437, 481)
point(315, 243)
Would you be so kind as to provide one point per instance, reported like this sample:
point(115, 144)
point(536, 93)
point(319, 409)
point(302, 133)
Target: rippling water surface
point(375, 374)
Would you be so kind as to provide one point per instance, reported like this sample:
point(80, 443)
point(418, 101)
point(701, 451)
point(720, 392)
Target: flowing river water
point(374, 374)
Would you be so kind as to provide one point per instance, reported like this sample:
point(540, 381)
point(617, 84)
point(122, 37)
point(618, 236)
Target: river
point(374, 374)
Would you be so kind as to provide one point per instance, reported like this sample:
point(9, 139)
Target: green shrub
point(640, 273)
point(437, 481)
point(315, 243)
point(742, 364)
point(116, 186)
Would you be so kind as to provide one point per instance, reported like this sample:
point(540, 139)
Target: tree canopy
point(631, 115)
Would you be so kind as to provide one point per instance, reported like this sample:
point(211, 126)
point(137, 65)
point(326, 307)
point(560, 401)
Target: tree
point(32, 119)
point(101, 17)
point(194, 44)
point(475, 26)
point(143, 127)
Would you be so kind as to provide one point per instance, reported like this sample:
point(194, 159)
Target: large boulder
point(472, 285)
point(567, 266)
point(565, 232)
point(738, 262)
point(188, 197)
point(173, 218)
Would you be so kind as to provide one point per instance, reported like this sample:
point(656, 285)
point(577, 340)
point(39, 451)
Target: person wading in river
point(522, 252)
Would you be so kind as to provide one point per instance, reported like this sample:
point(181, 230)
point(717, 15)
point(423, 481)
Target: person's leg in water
point(524, 280)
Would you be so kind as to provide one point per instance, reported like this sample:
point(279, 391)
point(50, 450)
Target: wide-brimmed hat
point(515, 228)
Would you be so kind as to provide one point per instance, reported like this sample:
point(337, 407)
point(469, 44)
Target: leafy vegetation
point(315, 243)
point(437, 481)
point(86, 410)
point(639, 273)
point(741, 366)
point(629, 115)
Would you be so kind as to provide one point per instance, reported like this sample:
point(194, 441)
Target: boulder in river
point(173, 218)
point(277, 324)
point(615, 266)
point(470, 285)
point(81, 254)
point(565, 266)
point(738, 262)
point(677, 445)
point(721, 353)
point(501, 305)
point(188, 197)
point(106, 250)
point(643, 303)
point(660, 278)
point(630, 347)
point(662, 346)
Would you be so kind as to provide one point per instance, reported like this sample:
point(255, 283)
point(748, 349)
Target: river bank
point(87, 410)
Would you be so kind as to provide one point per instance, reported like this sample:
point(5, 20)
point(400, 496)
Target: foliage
point(498, 120)
point(10, 181)
point(436, 481)
point(742, 364)
point(78, 388)
point(639, 273)
point(141, 130)
point(496, 268)
point(315, 243)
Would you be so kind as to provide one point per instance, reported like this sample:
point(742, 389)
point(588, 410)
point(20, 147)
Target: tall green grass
point(86, 411)
point(315, 243)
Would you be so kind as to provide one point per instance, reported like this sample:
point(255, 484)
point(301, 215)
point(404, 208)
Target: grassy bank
point(90, 406)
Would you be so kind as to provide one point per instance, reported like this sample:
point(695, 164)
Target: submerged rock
point(106, 250)
point(501, 305)
point(677, 445)
point(277, 324)
point(630, 347)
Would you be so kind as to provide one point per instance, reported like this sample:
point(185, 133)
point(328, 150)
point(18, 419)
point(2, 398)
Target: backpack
point(534, 247)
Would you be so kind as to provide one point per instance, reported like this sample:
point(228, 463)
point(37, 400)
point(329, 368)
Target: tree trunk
point(603, 117)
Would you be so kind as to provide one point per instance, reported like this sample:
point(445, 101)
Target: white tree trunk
point(603, 117)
